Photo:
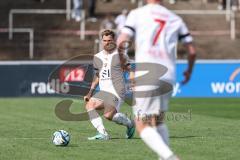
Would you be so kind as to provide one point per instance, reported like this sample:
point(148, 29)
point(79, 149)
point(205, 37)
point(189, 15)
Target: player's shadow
point(182, 137)
point(118, 138)
point(137, 138)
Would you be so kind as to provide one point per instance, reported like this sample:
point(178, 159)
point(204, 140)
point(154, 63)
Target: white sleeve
point(184, 34)
point(96, 64)
point(130, 24)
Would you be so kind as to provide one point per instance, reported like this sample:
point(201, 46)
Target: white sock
point(151, 137)
point(162, 129)
point(96, 121)
point(122, 119)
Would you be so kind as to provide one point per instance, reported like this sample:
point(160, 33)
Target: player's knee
point(109, 114)
point(140, 125)
point(90, 105)
point(108, 117)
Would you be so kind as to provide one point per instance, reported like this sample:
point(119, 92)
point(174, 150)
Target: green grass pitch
point(200, 129)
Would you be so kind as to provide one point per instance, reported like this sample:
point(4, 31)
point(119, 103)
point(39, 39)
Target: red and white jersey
point(157, 31)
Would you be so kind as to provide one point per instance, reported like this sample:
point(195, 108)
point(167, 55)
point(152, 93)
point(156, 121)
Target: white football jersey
point(157, 31)
point(110, 73)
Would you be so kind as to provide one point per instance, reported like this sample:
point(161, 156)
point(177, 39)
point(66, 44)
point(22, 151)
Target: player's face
point(108, 43)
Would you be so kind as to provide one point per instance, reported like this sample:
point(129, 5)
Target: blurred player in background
point(77, 10)
point(156, 31)
point(108, 66)
point(108, 23)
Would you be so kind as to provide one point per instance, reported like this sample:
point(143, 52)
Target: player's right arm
point(128, 30)
point(96, 64)
point(191, 60)
point(93, 86)
point(124, 40)
point(186, 38)
point(125, 37)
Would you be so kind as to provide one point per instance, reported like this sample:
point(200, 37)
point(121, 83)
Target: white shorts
point(109, 99)
point(151, 105)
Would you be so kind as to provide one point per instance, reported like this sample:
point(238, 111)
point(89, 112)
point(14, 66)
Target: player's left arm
point(186, 38)
point(191, 60)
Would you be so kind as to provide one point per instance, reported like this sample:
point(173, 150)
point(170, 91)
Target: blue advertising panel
point(31, 78)
point(209, 79)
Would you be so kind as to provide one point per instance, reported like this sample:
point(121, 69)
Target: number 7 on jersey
point(159, 30)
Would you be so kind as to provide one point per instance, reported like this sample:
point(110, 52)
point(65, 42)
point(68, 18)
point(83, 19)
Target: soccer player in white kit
point(156, 31)
point(108, 66)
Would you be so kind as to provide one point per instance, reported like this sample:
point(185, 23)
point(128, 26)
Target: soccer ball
point(61, 138)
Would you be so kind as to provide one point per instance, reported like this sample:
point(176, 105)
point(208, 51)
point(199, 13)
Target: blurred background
point(57, 34)
point(36, 36)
